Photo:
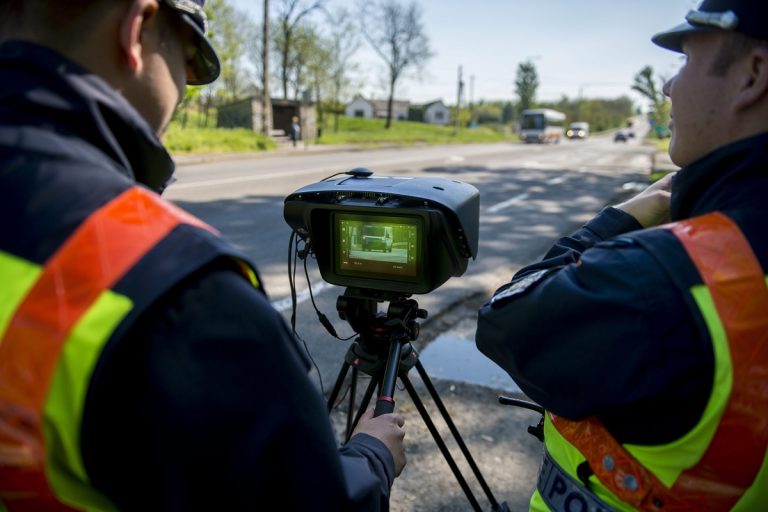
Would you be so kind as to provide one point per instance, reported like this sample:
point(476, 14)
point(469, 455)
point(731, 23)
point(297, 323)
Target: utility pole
point(458, 104)
point(266, 100)
point(471, 100)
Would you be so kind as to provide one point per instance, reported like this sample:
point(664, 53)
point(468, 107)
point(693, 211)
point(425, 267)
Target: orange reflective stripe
point(733, 458)
point(737, 284)
point(102, 249)
point(617, 469)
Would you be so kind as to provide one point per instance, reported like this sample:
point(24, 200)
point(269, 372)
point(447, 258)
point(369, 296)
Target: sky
point(586, 48)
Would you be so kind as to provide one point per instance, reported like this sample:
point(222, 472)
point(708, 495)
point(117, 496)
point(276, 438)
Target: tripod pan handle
point(384, 405)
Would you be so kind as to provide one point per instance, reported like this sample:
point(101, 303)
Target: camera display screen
point(378, 247)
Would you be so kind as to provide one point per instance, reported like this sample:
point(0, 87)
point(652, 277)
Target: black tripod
point(383, 351)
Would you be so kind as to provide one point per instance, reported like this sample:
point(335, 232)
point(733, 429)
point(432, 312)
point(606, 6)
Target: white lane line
point(557, 181)
point(236, 179)
point(285, 304)
point(509, 202)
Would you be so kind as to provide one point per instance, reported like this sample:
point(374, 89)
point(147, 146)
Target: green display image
point(377, 246)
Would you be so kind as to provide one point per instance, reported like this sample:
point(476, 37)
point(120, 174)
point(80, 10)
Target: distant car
point(578, 130)
point(631, 134)
point(620, 136)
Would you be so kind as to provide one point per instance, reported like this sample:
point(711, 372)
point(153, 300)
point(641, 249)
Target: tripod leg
point(440, 442)
point(456, 435)
point(352, 396)
point(363, 405)
point(337, 386)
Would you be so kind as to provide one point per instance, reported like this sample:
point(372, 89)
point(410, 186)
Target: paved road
point(529, 195)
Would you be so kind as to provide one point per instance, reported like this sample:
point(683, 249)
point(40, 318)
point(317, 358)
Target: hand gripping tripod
point(383, 351)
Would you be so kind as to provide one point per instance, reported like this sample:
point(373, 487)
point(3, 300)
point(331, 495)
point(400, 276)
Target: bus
point(541, 125)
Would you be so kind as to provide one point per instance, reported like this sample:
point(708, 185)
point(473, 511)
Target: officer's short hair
point(733, 46)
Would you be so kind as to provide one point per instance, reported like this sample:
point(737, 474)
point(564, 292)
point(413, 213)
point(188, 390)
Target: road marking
point(285, 304)
point(557, 181)
point(509, 202)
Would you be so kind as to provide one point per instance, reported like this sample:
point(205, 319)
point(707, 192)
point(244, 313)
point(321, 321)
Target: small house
point(376, 109)
point(434, 112)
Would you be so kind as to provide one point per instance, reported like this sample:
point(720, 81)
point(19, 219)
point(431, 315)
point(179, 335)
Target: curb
point(287, 150)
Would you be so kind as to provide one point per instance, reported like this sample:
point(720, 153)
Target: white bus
point(542, 125)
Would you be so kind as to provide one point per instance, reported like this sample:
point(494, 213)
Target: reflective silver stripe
point(725, 20)
point(563, 493)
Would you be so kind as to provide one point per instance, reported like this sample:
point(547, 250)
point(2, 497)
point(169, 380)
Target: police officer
point(141, 365)
point(644, 334)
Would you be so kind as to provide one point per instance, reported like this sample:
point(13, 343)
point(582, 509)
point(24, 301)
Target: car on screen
point(377, 238)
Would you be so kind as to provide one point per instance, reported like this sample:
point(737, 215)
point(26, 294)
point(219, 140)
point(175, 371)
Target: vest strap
point(733, 275)
point(737, 284)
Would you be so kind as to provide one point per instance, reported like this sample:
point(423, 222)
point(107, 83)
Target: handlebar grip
point(384, 405)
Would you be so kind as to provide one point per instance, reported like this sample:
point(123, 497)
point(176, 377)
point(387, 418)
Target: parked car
point(620, 136)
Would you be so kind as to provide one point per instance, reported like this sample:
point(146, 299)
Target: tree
point(227, 33)
point(344, 44)
point(266, 98)
point(396, 34)
point(508, 113)
point(289, 17)
point(526, 84)
point(645, 84)
point(601, 114)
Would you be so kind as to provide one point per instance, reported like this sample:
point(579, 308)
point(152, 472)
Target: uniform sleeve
point(594, 329)
point(208, 406)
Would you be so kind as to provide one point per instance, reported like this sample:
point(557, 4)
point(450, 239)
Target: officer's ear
point(132, 26)
point(753, 78)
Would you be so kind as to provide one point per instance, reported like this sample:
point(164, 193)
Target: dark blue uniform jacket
point(604, 324)
point(206, 403)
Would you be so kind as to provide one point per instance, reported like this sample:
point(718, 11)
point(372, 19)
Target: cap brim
point(204, 66)
point(672, 39)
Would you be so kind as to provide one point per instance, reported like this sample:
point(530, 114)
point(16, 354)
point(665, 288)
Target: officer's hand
point(387, 428)
point(651, 206)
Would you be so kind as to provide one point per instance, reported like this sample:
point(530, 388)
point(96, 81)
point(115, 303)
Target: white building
point(361, 107)
point(436, 112)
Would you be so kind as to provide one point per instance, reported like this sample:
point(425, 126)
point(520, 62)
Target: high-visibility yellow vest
point(55, 319)
point(722, 463)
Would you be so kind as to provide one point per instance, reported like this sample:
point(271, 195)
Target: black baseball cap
point(204, 67)
point(749, 17)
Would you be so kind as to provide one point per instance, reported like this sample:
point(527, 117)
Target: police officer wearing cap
point(141, 364)
point(644, 334)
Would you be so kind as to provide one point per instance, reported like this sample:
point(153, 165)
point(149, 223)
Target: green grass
point(363, 132)
point(661, 145)
point(371, 132)
point(181, 141)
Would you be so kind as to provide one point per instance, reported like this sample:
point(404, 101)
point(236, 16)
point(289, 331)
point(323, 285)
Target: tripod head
point(383, 338)
point(359, 307)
